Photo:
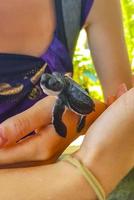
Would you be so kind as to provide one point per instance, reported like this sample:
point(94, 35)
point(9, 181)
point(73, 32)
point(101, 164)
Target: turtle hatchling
point(69, 94)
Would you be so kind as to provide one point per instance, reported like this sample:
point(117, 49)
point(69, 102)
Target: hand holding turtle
point(69, 94)
point(46, 145)
point(108, 146)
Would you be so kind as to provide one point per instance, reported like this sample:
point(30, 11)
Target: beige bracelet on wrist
point(91, 179)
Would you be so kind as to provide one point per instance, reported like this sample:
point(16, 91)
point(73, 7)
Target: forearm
point(47, 145)
point(108, 146)
point(108, 167)
point(107, 44)
point(113, 69)
point(58, 181)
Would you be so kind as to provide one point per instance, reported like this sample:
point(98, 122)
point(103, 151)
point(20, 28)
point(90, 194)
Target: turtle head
point(51, 84)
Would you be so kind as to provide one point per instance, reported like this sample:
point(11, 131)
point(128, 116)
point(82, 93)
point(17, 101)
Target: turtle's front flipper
point(81, 123)
point(57, 118)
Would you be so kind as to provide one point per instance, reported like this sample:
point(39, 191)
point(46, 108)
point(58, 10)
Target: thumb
point(16, 127)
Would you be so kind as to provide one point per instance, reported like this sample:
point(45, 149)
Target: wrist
point(106, 168)
point(72, 179)
point(106, 174)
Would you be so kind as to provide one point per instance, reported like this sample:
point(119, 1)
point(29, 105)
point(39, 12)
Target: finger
point(16, 127)
point(47, 145)
point(35, 148)
point(111, 99)
point(121, 90)
point(133, 79)
point(40, 147)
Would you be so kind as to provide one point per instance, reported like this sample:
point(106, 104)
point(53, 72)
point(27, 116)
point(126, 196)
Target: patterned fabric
point(20, 74)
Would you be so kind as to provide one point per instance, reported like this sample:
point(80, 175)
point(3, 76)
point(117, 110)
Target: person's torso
point(27, 27)
point(31, 35)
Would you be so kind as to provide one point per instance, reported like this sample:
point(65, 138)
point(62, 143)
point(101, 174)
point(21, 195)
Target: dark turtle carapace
point(69, 94)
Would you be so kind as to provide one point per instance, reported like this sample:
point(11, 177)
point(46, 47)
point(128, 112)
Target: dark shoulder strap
point(71, 15)
point(60, 29)
point(68, 22)
point(85, 8)
point(72, 19)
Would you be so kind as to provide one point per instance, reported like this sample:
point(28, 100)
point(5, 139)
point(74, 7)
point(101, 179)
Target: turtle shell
point(78, 99)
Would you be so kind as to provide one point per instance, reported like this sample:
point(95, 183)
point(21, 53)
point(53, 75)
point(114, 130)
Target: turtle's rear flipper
point(57, 118)
point(81, 123)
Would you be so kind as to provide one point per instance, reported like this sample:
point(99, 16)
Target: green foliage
point(128, 16)
point(84, 72)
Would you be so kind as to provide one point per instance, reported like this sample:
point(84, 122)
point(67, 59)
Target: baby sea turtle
point(69, 94)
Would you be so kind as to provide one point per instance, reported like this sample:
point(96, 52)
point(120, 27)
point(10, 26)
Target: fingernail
point(123, 87)
point(111, 99)
point(121, 90)
point(3, 140)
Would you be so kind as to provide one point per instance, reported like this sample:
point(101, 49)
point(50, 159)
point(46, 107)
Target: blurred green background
point(84, 72)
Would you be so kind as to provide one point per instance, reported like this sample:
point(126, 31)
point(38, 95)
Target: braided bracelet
point(91, 179)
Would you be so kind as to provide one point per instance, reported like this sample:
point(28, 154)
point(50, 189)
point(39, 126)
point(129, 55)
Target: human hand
point(46, 145)
point(120, 90)
point(108, 147)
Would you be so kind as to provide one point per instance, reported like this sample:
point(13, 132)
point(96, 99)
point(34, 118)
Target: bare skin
point(47, 145)
point(116, 135)
point(106, 40)
point(57, 181)
point(19, 35)
point(21, 30)
point(105, 141)
point(27, 27)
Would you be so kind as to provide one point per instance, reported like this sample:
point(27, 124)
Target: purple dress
point(20, 74)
